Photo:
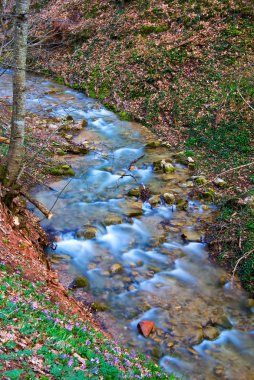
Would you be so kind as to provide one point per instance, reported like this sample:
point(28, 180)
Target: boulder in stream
point(87, 232)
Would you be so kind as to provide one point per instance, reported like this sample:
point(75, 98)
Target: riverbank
point(186, 72)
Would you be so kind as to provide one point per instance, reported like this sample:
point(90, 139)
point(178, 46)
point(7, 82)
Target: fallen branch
point(238, 262)
point(4, 140)
point(134, 161)
point(58, 196)
point(37, 204)
point(237, 167)
point(245, 101)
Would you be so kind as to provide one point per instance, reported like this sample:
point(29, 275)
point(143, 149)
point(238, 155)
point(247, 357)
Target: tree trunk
point(16, 150)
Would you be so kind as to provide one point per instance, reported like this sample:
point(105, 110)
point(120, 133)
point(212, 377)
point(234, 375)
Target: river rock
point(210, 332)
point(197, 337)
point(219, 182)
point(146, 327)
point(167, 167)
point(88, 232)
point(74, 148)
point(155, 200)
point(112, 219)
point(133, 208)
point(182, 204)
point(221, 321)
point(116, 268)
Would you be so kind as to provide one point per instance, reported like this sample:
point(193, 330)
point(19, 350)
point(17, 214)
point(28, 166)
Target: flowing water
point(203, 328)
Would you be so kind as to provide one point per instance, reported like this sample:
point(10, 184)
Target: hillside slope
point(184, 69)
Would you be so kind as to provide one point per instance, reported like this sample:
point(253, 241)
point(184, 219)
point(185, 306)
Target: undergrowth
point(38, 341)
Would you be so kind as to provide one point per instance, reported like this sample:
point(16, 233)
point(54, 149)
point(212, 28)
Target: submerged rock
point(116, 268)
point(79, 282)
point(99, 306)
point(146, 327)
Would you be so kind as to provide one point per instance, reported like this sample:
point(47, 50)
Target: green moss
point(63, 170)
point(81, 282)
point(125, 116)
point(145, 30)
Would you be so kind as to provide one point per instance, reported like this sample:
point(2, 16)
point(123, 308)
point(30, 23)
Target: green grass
point(42, 337)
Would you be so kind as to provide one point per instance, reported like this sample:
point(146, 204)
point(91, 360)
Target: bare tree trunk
point(15, 153)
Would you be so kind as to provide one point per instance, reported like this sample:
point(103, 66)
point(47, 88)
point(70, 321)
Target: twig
point(238, 262)
point(58, 196)
point(237, 167)
point(134, 161)
point(245, 101)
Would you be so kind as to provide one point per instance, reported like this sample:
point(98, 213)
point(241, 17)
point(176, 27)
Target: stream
point(135, 260)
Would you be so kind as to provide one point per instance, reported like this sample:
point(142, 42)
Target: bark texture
point(15, 154)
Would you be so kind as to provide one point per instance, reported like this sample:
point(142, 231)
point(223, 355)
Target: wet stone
point(88, 232)
point(145, 328)
point(211, 333)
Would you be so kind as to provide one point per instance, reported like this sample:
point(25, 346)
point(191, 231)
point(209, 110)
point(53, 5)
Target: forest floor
point(183, 69)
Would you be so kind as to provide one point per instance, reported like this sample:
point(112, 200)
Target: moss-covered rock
point(182, 204)
point(134, 192)
point(153, 144)
point(62, 170)
point(200, 181)
point(167, 167)
point(169, 198)
point(79, 282)
point(99, 306)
